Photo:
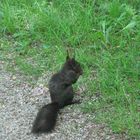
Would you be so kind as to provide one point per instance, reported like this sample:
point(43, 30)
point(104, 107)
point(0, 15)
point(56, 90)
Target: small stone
point(14, 77)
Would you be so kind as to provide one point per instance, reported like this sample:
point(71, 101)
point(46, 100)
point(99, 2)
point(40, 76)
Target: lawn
point(105, 37)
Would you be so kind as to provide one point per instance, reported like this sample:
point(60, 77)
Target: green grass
point(105, 36)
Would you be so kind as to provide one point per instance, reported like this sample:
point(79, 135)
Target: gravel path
point(19, 104)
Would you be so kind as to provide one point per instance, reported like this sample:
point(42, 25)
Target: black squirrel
point(61, 92)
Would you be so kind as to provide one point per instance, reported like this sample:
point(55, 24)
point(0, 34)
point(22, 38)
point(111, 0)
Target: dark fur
point(47, 113)
point(61, 92)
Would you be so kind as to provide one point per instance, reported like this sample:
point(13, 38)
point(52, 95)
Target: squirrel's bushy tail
point(46, 118)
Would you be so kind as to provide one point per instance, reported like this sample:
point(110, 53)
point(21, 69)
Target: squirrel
point(61, 93)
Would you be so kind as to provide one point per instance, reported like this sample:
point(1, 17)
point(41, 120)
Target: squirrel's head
point(74, 65)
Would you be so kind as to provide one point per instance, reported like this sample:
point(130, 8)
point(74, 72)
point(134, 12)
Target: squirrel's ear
point(67, 57)
point(74, 55)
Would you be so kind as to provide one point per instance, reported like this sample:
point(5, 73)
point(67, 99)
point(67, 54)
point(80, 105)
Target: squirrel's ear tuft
point(74, 55)
point(67, 57)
